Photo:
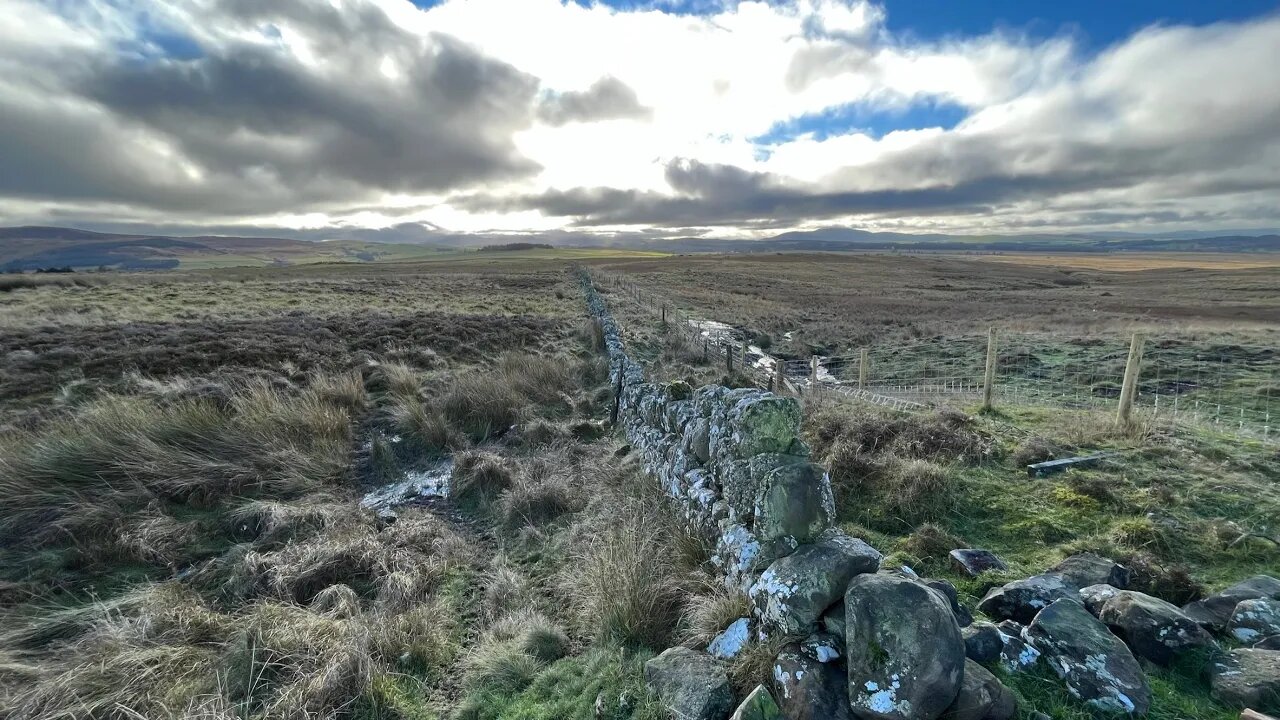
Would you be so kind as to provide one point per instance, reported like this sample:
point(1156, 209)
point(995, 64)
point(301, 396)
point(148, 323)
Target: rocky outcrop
point(905, 654)
point(1096, 665)
point(1020, 600)
point(690, 684)
point(1247, 678)
point(1154, 629)
point(1214, 612)
point(793, 593)
point(981, 697)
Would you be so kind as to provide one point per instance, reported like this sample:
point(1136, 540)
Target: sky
point(654, 118)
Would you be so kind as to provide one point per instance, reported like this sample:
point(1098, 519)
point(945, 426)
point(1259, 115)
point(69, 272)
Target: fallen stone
point(981, 697)
point(1087, 569)
point(823, 647)
point(1016, 654)
point(806, 689)
point(793, 507)
point(982, 643)
point(973, 561)
point(1214, 612)
point(1152, 628)
point(1255, 619)
point(833, 619)
point(1020, 600)
point(905, 655)
point(1097, 667)
point(690, 684)
point(729, 643)
point(795, 591)
point(1094, 596)
point(759, 705)
point(1247, 678)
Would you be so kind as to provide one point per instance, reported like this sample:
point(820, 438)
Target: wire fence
point(1177, 380)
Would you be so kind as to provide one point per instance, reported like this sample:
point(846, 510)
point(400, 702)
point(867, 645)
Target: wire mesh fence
point(1213, 384)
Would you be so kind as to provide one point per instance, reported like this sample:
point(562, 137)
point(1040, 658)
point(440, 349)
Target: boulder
point(794, 592)
point(807, 689)
point(833, 619)
point(1094, 596)
point(1214, 612)
point(738, 555)
point(729, 643)
point(948, 591)
point(1015, 653)
point(1087, 569)
point(1255, 619)
point(759, 705)
point(905, 654)
point(1097, 667)
point(1020, 600)
point(690, 684)
point(763, 424)
point(699, 434)
point(981, 697)
point(982, 642)
point(793, 506)
point(1154, 629)
point(974, 561)
point(1247, 678)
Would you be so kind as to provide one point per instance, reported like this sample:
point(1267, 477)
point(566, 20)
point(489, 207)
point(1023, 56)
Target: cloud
point(607, 99)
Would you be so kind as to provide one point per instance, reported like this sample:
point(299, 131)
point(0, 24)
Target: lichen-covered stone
point(948, 591)
point(1247, 678)
point(833, 619)
point(792, 507)
point(764, 424)
point(1255, 619)
point(905, 655)
point(690, 684)
point(759, 705)
point(823, 647)
point(1095, 596)
point(1096, 666)
point(1085, 569)
point(975, 561)
point(1214, 611)
point(1016, 654)
point(982, 642)
point(699, 434)
point(1154, 629)
point(806, 689)
point(729, 643)
point(794, 592)
point(1020, 600)
point(981, 697)
point(738, 554)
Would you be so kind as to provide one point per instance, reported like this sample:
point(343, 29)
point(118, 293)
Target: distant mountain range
point(33, 248)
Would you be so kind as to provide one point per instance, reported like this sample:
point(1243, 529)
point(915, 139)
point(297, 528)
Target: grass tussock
point(708, 614)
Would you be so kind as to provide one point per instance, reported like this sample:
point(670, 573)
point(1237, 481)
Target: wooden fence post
point(863, 360)
point(989, 381)
point(779, 375)
point(742, 355)
point(813, 369)
point(1129, 390)
point(728, 358)
point(664, 313)
point(706, 349)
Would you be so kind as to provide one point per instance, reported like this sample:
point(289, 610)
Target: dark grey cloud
point(250, 128)
point(607, 99)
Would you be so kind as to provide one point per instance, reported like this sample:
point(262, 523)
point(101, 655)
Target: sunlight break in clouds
point(537, 115)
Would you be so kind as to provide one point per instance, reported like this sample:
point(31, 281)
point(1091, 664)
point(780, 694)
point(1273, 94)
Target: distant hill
point(34, 248)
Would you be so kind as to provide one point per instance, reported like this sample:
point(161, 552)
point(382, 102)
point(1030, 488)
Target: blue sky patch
point(861, 117)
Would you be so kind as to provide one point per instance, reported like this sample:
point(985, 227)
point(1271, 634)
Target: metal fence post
point(989, 382)
point(1129, 388)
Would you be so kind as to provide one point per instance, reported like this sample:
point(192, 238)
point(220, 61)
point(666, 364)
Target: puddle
point(416, 485)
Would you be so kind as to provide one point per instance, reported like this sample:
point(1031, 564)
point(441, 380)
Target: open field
point(1121, 262)
point(184, 456)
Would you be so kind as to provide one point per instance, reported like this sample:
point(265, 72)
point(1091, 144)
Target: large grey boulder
point(1253, 620)
point(948, 591)
point(982, 642)
point(793, 506)
point(1214, 612)
point(763, 424)
point(1020, 600)
point(690, 684)
point(794, 592)
point(1097, 667)
point(1152, 628)
point(975, 561)
point(905, 654)
point(1087, 569)
point(1268, 643)
point(806, 689)
point(1247, 678)
point(981, 697)
point(759, 705)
